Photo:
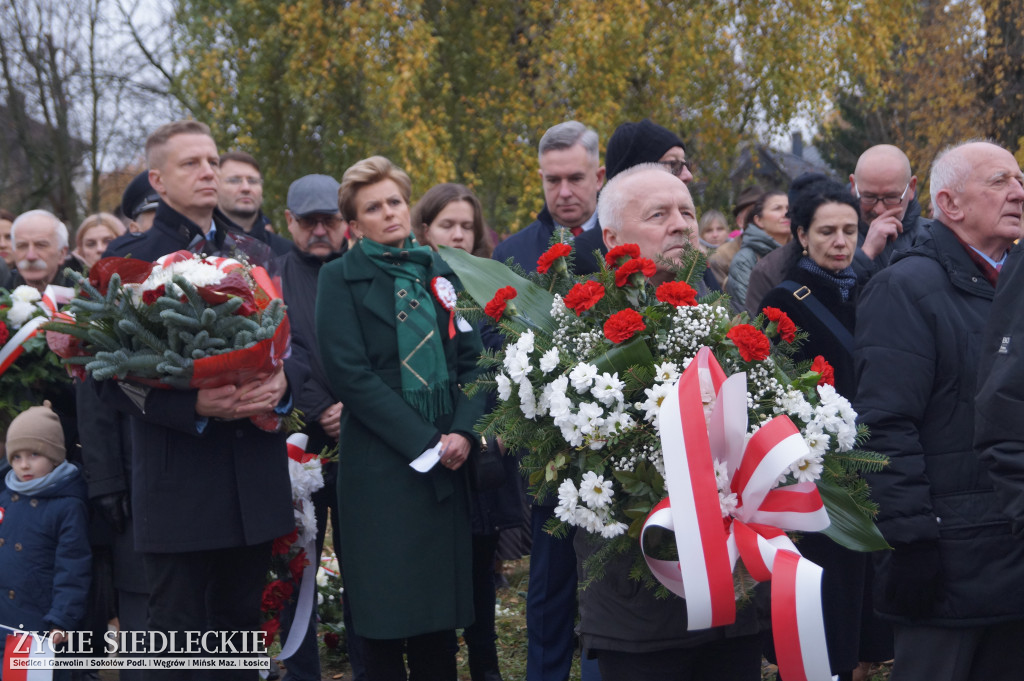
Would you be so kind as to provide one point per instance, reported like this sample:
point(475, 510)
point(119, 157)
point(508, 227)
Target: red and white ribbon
point(703, 419)
point(307, 586)
point(13, 348)
point(445, 293)
point(22, 648)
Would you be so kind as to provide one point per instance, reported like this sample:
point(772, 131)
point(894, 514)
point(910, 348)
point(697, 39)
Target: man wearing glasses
point(240, 198)
point(886, 189)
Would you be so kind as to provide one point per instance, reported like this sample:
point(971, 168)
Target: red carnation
point(677, 293)
point(557, 251)
point(582, 297)
point(783, 324)
point(631, 267)
point(275, 594)
point(496, 307)
point(270, 628)
point(4, 333)
point(623, 325)
point(331, 640)
point(752, 344)
point(297, 564)
point(611, 258)
point(283, 544)
point(828, 374)
point(149, 297)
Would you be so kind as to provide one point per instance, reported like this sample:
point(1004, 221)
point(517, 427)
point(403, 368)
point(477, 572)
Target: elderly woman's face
point(382, 214)
point(831, 238)
point(94, 243)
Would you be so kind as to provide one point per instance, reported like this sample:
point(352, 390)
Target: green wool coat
point(405, 536)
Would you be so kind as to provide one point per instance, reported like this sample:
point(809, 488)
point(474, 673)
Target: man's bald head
point(883, 172)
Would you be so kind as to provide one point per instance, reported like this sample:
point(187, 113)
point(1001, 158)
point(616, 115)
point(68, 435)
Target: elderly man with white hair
point(40, 244)
point(634, 635)
point(951, 584)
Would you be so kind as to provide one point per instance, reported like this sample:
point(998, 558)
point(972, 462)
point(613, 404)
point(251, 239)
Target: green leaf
point(482, 278)
point(621, 357)
point(849, 526)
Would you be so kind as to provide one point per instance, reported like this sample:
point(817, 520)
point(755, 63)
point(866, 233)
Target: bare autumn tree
point(75, 103)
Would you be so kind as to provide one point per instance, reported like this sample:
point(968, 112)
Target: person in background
point(713, 231)
point(720, 261)
point(240, 198)
point(450, 215)
point(93, 237)
point(6, 250)
point(40, 243)
point(768, 229)
point(405, 534)
point(139, 203)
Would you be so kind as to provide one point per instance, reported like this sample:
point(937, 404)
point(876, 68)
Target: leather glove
point(914, 578)
point(114, 509)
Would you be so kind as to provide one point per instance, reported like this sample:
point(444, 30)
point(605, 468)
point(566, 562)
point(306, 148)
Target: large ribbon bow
point(709, 544)
point(13, 348)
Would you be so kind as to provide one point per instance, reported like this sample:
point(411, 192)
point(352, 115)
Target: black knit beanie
point(635, 143)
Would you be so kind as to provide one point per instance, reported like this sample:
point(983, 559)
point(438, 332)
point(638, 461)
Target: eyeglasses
point(676, 167)
point(238, 180)
point(328, 221)
point(868, 200)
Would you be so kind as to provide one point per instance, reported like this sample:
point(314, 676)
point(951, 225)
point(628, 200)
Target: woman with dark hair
point(397, 363)
point(449, 214)
point(820, 296)
point(767, 230)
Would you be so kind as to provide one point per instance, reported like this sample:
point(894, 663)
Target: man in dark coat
point(572, 174)
point(887, 190)
point(210, 490)
point(318, 237)
point(40, 244)
point(951, 584)
point(240, 198)
point(633, 634)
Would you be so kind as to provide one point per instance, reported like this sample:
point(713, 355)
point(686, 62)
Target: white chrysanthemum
point(25, 294)
point(817, 441)
point(570, 431)
point(549, 361)
point(846, 437)
point(655, 396)
point(612, 530)
point(582, 376)
point(728, 503)
point(504, 387)
point(807, 469)
point(568, 495)
point(20, 313)
point(608, 388)
point(517, 364)
point(617, 422)
point(527, 400)
point(666, 372)
point(595, 491)
point(589, 520)
point(722, 475)
point(525, 342)
point(321, 577)
point(590, 417)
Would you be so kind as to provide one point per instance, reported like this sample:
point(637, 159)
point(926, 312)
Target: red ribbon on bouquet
point(703, 419)
point(12, 349)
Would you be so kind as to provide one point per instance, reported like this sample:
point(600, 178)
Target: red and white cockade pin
point(444, 291)
point(1, 514)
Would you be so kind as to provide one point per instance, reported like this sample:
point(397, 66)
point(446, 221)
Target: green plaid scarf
point(424, 369)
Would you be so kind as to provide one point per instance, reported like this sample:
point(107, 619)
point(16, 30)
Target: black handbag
point(486, 470)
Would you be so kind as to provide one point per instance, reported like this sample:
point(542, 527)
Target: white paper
point(428, 459)
point(462, 324)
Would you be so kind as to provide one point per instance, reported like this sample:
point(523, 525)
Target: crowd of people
point(177, 496)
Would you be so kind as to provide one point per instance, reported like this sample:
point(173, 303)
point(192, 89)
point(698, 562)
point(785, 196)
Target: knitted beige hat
point(37, 429)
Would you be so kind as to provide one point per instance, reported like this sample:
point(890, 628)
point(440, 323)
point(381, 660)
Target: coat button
point(17, 546)
point(10, 594)
point(1, 541)
point(14, 497)
point(33, 503)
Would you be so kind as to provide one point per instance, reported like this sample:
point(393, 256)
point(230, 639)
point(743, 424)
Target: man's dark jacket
point(999, 428)
point(529, 243)
point(917, 350)
point(223, 486)
point(278, 244)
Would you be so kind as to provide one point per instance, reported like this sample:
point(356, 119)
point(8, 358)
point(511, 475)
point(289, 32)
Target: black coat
point(194, 489)
point(820, 339)
point(918, 345)
point(999, 428)
point(844, 575)
point(529, 243)
point(913, 228)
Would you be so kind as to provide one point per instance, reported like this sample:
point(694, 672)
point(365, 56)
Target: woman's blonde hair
point(364, 173)
point(107, 220)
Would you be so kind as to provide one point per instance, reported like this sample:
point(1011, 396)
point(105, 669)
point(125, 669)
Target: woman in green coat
point(397, 361)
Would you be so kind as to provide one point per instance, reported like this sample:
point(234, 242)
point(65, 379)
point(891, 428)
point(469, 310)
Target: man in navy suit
point(572, 174)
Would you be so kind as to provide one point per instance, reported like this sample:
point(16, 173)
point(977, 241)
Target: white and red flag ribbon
point(13, 348)
point(703, 420)
point(21, 647)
